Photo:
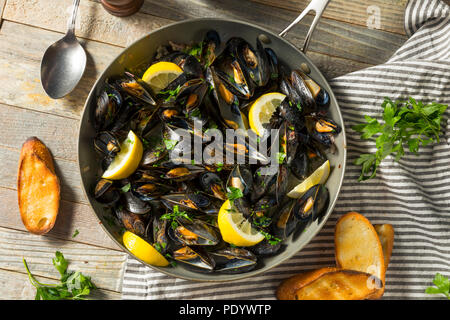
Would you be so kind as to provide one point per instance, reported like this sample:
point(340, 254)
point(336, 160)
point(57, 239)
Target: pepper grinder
point(122, 8)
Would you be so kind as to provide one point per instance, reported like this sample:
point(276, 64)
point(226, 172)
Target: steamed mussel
point(177, 203)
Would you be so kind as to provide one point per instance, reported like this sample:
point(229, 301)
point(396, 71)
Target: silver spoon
point(63, 62)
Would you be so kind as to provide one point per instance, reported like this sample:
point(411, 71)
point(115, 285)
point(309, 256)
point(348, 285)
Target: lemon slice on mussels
point(159, 75)
point(235, 229)
point(143, 250)
point(319, 176)
point(262, 109)
point(127, 160)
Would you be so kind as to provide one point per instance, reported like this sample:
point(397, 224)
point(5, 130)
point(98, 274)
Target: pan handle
point(318, 6)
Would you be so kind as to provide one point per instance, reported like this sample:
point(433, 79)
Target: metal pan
point(193, 30)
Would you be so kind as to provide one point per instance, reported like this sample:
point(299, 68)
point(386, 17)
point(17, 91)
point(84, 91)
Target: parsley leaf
point(176, 213)
point(409, 123)
point(235, 193)
point(72, 286)
point(442, 286)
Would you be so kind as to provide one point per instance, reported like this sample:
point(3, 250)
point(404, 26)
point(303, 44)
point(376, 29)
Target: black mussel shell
point(134, 204)
point(194, 257)
point(106, 193)
point(135, 223)
point(233, 260)
point(107, 143)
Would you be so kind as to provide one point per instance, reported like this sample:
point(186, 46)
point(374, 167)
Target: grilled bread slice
point(386, 235)
point(358, 248)
point(287, 289)
point(338, 285)
point(38, 187)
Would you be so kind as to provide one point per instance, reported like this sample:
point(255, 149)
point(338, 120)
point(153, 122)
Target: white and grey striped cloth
point(413, 195)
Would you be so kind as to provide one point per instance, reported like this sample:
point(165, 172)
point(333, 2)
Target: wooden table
point(342, 43)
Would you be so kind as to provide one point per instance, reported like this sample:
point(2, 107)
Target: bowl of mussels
point(208, 153)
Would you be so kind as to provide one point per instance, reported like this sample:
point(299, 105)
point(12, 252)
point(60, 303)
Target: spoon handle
point(71, 27)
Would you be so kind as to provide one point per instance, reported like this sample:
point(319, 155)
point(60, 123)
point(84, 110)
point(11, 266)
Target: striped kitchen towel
point(413, 194)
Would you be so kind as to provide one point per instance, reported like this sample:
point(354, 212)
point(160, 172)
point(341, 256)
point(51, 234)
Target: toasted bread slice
point(358, 248)
point(386, 235)
point(338, 285)
point(38, 187)
point(287, 289)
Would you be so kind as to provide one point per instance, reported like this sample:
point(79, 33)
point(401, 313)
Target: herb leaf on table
point(73, 286)
point(442, 286)
point(406, 123)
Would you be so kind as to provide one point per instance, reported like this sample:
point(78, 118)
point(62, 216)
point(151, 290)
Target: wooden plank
point(58, 133)
point(93, 22)
point(16, 286)
point(2, 5)
point(331, 37)
point(21, 50)
point(72, 216)
point(355, 12)
point(104, 266)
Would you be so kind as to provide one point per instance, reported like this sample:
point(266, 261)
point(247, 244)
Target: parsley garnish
point(235, 193)
point(126, 187)
point(280, 157)
point(170, 144)
point(270, 238)
point(442, 286)
point(75, 233)
point(410, 122)
point(172, 216)
point(73, 286)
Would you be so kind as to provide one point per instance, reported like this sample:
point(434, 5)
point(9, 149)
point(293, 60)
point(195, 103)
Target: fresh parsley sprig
point(172, 216)
point(73, 286)
point(408, 123)
point(234, 193)
point(442, 286)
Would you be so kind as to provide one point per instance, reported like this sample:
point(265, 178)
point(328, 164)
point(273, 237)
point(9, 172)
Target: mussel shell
point(134, 204)
point(194, 257)
point(136, 87)
point(107, 143)
point(212, 184)
point(273, 63)
point(306, 100)
point(106, 193)
point(320, 95)
point(194, 232)
point(233, 260)
point(264, 248)
point(312, 204)
point(285, 221)
point(135, 223)
point(109, 102)
point(241, 178)
point(211, 44)
point(160, 227)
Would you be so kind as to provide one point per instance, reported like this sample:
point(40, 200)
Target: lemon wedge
point(235, 229)
point(319, 176)
point(127, 160)
point(159, 75)
point(143, 250)
point(262, 109)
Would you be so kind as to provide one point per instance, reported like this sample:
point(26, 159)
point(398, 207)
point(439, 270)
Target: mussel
point(194, 257)
point(136, 88)
point(136, 223)
point(233, 260)
point(193, 232)
point(109, 102)
point(106, 193)
point(107, 143)
point(312, 204)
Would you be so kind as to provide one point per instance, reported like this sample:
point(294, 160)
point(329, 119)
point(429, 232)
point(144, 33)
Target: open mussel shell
point(254, 63)
point(109, 102)
point(106, 193)
point(135, 205)
point(285, 221)
point(184, 172)
point(320, 95)
point(144, 121)
point(241, 178)
point(192, 201)
point(322, 130)
point(136, 223)
point(211, 44)
point(233, 260)
point(306, 99)
point(212, 184)
point(160, 227)
point(194, 257)
point(136, 88)
point(194, 232)
point(107, 143)
point(312, 204)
